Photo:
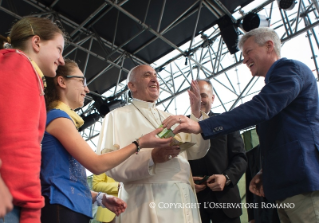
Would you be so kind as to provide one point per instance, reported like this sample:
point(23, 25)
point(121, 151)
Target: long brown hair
point(52, 89)
point(31, 26)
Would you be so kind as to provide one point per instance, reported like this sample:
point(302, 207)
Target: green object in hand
point(166, 133)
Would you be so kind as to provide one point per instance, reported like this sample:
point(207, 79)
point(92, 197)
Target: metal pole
point(298, 16)
point(161, 16)
point(315, 2)
point(195, 27)
point(239, 97)
point(10, 13)
point(300, 32)
point(169, 27)
point(182, 73)
point(190, 67)
point(105, 69)
point(288, 22)
point(146, 13)
point(211, 10)
point(78, 44)
point(87, 57)
point(54, 3)
point(164, 82)
point(71, 23)
point(213, 77)
point(220, 4)
point(119, 77)
point(221, 102)
point(123, 44)
point(104, 13)
point(312, 50)
point(115, 31)
point(218, 53)
point(284, 22)
point(97, 11)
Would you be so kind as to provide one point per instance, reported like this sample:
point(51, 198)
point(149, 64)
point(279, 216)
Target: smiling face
point(258, 58)
point(49, 55)
point(207, 96)
point(75, 90)
point(144, 84)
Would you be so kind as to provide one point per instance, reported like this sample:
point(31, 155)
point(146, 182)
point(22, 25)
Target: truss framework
point(205, 56)
point(210, 58)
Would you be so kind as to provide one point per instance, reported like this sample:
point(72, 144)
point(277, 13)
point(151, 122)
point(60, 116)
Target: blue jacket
point(286, 112)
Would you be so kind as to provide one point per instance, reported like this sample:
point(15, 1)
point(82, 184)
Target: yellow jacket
point(105, 184)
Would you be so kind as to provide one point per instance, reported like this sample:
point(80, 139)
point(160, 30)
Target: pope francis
point(156, 182)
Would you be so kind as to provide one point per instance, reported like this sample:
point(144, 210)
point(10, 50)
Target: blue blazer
point(286, 112)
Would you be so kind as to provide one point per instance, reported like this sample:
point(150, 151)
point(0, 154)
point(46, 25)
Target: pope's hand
point(161, 155)
point(151, 140)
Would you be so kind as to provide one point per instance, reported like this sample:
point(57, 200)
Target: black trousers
point(56, 213)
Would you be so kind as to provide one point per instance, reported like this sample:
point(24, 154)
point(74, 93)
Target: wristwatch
point(228, 181)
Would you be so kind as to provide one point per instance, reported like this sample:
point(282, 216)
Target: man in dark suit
point(225, 163)
point(286, 112)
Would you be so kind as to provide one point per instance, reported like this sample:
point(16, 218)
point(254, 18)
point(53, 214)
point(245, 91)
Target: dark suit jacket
point(226, 156)
point(260, 214)
point(287, 113)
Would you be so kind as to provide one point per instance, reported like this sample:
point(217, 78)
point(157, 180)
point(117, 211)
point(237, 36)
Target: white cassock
point(160, 193)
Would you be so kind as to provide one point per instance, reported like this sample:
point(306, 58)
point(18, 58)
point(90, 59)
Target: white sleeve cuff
point(99, 199)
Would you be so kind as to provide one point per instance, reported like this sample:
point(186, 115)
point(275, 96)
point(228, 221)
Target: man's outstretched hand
point(185, 124)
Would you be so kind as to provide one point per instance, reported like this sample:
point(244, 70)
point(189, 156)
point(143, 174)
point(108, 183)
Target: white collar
point(143, 104)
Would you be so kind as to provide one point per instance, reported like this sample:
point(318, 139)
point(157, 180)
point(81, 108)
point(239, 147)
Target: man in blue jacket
point(286, 112)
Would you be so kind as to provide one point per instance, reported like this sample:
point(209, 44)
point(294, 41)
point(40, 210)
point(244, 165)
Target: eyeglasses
point(84, 79)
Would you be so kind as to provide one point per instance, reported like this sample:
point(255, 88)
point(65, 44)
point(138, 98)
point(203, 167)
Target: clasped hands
point(215, 182)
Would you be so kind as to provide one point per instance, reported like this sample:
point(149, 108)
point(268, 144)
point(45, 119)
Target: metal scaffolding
point(204, 56)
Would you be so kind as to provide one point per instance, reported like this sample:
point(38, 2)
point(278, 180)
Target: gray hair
point(131, 74)
point(262, 35)
point(208, 82)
